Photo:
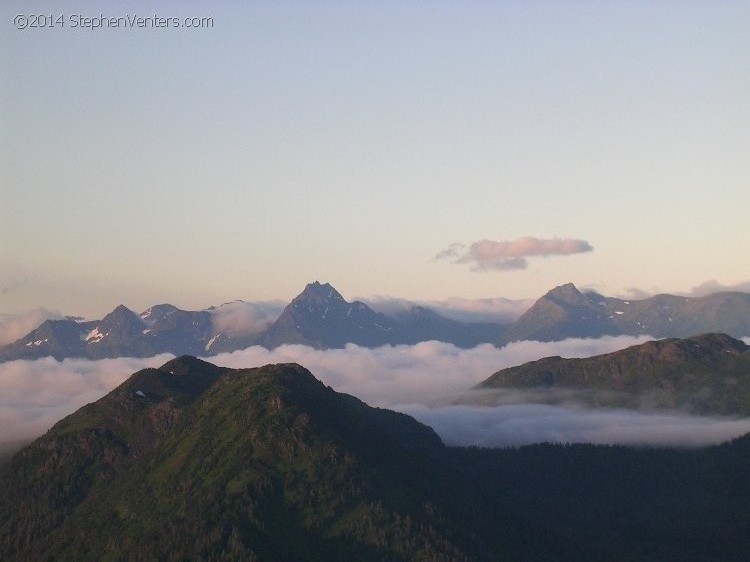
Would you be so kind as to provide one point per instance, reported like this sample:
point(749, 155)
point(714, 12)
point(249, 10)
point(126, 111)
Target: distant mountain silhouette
point(320, 317)
point(565, 312)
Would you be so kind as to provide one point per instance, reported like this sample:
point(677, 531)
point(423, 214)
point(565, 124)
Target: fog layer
point(430, 381)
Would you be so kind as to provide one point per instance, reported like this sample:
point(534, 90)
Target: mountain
point(178, 331)
point(566, 312)
point(56, 338)
point(419, 323)
point(114, 334)
point(708, 374)
point(320, 317)
point(122, 332)
point(197, 462)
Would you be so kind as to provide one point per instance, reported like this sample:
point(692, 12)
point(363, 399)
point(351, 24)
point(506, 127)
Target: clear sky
point(373, 145)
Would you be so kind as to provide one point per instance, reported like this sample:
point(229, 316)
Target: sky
point(419, 150)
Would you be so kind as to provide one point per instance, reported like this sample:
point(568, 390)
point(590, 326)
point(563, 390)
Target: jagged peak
point(567, 293)
point(120, 316)
point(120, 310)
point(160, 308)
point(320, 292)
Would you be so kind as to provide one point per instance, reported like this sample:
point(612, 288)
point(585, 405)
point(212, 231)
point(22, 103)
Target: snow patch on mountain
point(94, 336)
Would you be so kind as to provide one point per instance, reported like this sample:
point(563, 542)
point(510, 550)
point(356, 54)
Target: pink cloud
point(509, 255)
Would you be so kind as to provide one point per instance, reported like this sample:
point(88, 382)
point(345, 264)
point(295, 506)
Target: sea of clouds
point(431, 381)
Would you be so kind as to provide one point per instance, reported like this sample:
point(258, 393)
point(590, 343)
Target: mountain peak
point(158, 311)
point(121, 309)
point(320, 292)
point(121, 315)
point(567, 293)
point(186, 364)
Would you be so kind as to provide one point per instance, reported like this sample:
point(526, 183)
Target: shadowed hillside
point(197, 462)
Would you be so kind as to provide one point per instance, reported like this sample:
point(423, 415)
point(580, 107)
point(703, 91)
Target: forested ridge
point(195, 462)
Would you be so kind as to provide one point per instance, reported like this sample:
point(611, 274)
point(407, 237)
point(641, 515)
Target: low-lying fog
point(431, 381)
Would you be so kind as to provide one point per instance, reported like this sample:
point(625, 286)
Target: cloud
point(36, 394)
point(16, 327)
point(242, 318)
point(432, 373)
point(500, 310)
point(523, 424)
point(430, 381)
point(486, 255)
point(706, 288)
point(713, 286)
point(634, 293)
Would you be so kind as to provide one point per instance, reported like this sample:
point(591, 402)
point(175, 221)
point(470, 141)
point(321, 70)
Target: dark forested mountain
point(565, 312)
point(706, 374)
point(192, 461)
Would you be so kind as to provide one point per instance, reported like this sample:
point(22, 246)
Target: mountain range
point(320, 317)
point(706, 374)
point(192, 461)
point(566, 312)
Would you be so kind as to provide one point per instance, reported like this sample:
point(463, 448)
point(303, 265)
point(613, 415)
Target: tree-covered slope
point(707, 374)
point(196, 462)
point(191, 461)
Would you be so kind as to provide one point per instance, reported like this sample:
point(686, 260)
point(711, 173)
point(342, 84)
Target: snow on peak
point(94, 336)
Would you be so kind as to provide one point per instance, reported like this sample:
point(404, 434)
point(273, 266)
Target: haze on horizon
point(413, 150)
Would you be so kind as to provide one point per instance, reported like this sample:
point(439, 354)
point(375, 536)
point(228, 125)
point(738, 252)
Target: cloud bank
point(524, 424)
point(486, 255)
point(240, 318)
point(499, 310)
point(713, 286)
point(36, 394)
point(430, 381)
point(704, 289)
